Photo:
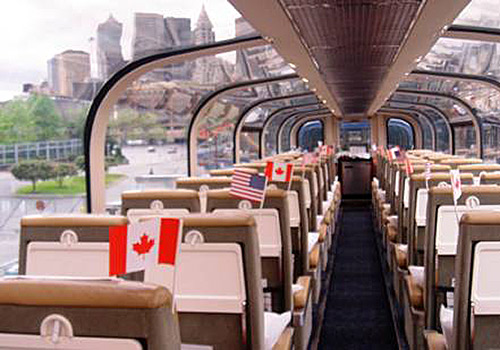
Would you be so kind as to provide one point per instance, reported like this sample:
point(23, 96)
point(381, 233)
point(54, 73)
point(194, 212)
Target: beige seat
point(233, 276)
point(161, 199)
point(89, 314)
point(456, 162)
point(195, 183)
point(86, 227)
point(474, 322)
point(273, 226)
point(442, 237)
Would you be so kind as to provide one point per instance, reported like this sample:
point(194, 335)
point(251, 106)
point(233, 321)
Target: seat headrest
point(73, 220)
point(481, 218)
point(440, 177)
point(468, 189)
point(480, 167)
point(218, 219)
point(456, 161)
point(160, 194)
point(224, 194)
point(83, 293)
point(204, 180)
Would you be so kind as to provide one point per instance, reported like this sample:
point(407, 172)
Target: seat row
point(247, 276)
point(443, 277)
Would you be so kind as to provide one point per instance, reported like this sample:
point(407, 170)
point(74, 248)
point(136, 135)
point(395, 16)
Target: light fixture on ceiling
point(293, 66)
point(305, 80)
point(324, 102)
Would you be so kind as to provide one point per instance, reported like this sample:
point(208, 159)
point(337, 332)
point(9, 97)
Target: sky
point(33, 31)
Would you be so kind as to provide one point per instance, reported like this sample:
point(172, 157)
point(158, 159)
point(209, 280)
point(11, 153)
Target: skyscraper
point(178, 31)
point(203, 33)
point(67, 68)
point(150, 34)
point(209, 69)
point(109, 50)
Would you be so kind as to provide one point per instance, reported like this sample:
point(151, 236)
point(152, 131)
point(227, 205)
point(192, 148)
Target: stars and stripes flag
point(247, 185)
point(144, 244)
point(276, 171)
point(394, 153)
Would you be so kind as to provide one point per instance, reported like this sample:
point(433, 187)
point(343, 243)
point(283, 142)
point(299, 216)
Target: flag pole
point(264, 194)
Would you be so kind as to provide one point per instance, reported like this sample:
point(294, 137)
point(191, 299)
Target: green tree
point(33, 171)
point(48, 122)
point(132, 125)
point(16, 123)
point(63, 170)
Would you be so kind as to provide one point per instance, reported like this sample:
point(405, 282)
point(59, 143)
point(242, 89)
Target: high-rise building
point(150, 34)
point(204, 32)
point(178, 31)
point(109, 49)
point(66, 69)
point(210, 69)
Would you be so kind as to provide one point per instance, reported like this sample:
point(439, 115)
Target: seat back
point(240, 313)
point(277, 272)
point(418, 182)
point(54, 229)
point(404, 192)
point(308, 174)
point(196, 183)
point(442, 228)
point(161, 199)
point(490, 178)
point(477, 169)
point(54, 313)
point(454, 163)
point(476, 316)
point(299, 201)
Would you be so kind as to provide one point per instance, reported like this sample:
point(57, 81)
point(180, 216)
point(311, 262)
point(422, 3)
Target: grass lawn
point(71, 185)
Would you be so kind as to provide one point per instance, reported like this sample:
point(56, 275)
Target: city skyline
point(54, 26)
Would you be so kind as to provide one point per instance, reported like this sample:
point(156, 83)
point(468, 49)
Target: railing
point(49, 150)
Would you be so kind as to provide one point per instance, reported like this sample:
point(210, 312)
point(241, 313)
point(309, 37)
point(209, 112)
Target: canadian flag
point(144, 244)
point(276, 171)
point(456, 184)
point(408, 165)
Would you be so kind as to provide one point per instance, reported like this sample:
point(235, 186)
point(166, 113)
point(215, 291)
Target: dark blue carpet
point(357, 314)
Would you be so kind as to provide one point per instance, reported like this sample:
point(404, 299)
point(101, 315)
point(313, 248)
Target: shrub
point(63, 170)
point(34, 171)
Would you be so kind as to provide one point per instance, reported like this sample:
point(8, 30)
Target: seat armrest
point(285, 340)
point(314, 257)
point(435, 341)
point(415, 293)
point(323, 230)
point(300, 297)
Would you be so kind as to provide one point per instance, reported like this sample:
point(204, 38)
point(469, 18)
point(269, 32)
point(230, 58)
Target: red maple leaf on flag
point(279, 171)
point(144, 245)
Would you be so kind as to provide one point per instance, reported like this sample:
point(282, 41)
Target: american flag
point(247, 185)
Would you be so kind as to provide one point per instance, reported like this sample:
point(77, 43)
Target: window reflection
point(481, 13)
point(400, 133)
point(309, 134)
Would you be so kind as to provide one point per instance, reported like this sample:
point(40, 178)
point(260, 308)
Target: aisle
point(357, 314)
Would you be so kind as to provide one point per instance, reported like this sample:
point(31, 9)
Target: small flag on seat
point(246, 185)
point(276, 171)
point(456, 184)
point(408, 164)
point(144, 244)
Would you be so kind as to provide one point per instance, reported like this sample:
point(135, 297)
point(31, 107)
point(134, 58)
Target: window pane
point(465, 140)
point(400, 133)
point(309, 135)
point(355, 134)
point(481, 13)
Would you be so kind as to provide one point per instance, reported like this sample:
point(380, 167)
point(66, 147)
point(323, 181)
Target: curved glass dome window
point(480, 13)
point(355, 134)
point(309, 134)
point(400, 133)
